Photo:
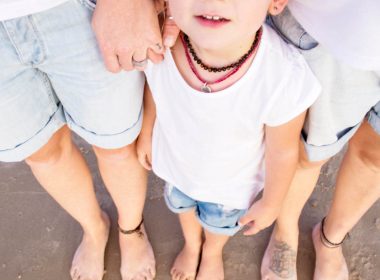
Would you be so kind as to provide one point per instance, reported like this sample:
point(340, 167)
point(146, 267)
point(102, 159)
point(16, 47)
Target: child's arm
point(281, 159)
point(144, 142)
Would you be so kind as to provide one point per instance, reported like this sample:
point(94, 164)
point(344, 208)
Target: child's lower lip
point(211, 23)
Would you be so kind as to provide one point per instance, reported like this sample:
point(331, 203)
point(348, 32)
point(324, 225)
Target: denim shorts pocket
point(90, 4)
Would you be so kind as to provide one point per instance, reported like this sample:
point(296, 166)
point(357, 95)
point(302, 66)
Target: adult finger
point(141, 158)
point(157, 47)
point(110, 58)
point(125, 59)
point(170, 30)
point(144, 162)
point(149, 159)
point(154, 57)
point(148, 165)
point(160, 6)
point(137, 60)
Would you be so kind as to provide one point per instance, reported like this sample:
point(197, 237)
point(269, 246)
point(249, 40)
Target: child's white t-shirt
point(211, 146)
point(349, 29)
point(16, 8)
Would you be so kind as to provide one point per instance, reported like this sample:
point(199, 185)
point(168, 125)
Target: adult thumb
point(170, 30)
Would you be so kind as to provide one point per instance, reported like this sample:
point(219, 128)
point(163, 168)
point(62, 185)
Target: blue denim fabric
point(215, 218)
point(374, 118)
point(291, 31)
point(52, 74)
point(347, 93)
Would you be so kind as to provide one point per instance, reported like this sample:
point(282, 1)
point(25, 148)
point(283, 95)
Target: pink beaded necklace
point(205, 87)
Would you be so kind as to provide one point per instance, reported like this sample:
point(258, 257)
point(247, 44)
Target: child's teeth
point(212, 17)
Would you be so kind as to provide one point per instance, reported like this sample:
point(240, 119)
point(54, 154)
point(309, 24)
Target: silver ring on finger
point(139, 63)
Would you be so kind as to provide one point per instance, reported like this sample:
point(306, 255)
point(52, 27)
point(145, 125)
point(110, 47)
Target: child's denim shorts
point(348, 94)
point(213, 217)
point(52, 74)
point(374, 118)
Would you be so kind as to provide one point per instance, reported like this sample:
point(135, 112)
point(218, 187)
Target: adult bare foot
point(186, 263)
point(330, 263)
point(280, 258)
point(211, 266)
point(137, 258)
point(88, 262)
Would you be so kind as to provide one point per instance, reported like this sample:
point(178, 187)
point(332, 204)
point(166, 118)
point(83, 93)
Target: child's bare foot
point(186, 263)
point(211, 266)
point(137, 258)
point(88, 262)
point(280, 258)
point(330, 263)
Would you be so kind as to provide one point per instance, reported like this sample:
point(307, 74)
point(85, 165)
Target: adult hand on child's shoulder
point(127, 30)
point(258, 217)
point(144, 151)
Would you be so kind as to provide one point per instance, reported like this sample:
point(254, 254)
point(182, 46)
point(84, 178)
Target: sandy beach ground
point(38, 239)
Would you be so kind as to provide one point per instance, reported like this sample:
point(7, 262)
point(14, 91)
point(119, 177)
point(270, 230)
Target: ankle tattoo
point(283, 260)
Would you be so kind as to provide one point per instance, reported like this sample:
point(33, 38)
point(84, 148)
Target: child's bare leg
point(211, 266)
point(357, 188)
point(279, 261)
point(186, 264)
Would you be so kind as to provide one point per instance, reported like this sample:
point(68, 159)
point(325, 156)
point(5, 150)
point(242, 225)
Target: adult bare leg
point(62, 171)
point(357, 188)
point(126, 180)
point(279, 260)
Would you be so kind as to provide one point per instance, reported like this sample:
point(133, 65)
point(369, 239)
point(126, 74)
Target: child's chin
point(209, 43)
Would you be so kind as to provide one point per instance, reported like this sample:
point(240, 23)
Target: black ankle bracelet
point(135, 230)
point(325, 241)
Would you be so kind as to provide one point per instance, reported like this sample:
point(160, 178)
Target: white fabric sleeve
point(297, 92)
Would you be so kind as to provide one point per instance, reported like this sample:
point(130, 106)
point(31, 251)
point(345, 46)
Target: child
point(229, 104)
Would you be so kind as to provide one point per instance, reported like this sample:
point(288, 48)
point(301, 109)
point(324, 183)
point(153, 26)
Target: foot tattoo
point(282, 262)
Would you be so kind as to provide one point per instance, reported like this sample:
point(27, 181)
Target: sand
point(38, 239)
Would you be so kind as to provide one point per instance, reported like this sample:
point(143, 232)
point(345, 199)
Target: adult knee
point(116, 155)
point(365, 146)
point(58, 145)
point(370, 159)
point(369, 156)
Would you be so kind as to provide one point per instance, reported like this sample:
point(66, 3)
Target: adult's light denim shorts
point(348, 94)
point(52, 74)
point(215, 218)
